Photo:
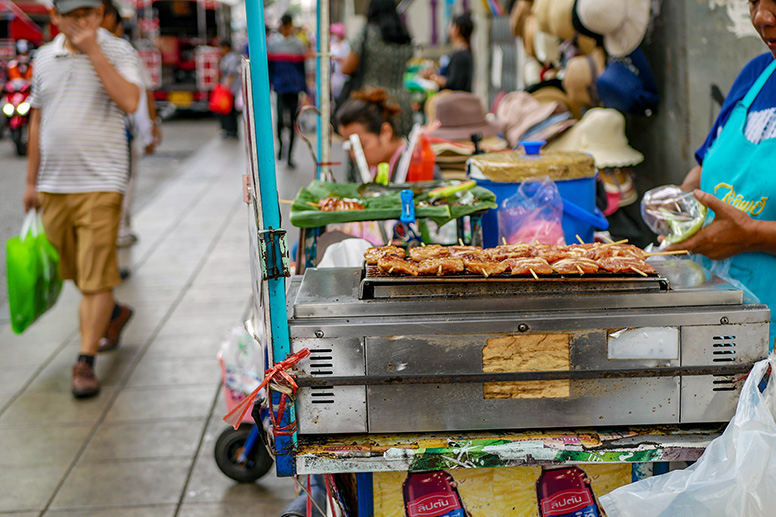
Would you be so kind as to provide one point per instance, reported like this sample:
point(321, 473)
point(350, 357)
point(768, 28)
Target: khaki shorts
point(83, 228)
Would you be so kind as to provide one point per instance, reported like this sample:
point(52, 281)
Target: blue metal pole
point(318, 84)
point(268, 193)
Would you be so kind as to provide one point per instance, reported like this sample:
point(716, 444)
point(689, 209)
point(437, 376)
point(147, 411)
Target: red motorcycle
point(16, 108)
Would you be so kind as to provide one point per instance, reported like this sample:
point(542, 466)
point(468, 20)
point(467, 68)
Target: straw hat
point(530, 28)
point(600, 133)
point(581, 74)
point(549, 94)
point(541, 9)
point(461, 115)
point(622, 23)
point(520, 12)
point(561, 14)
point(519, 111)
point(546, 47)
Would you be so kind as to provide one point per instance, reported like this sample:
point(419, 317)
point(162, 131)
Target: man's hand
point(732, 231)
point(84, 38)
point(156, 132)
point(30, 198)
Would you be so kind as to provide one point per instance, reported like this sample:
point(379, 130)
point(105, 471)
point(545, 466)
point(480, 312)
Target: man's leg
point(96, 309)
point(293, 106)
point(281, 115)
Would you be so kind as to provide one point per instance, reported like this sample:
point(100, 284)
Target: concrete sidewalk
point(144, 446)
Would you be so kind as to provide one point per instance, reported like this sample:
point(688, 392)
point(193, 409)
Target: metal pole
point(268, 193)
point(323, 88)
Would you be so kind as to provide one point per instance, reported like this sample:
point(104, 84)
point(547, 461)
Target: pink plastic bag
point(533, 214)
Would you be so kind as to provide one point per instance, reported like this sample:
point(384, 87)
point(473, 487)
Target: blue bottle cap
point(533, 147)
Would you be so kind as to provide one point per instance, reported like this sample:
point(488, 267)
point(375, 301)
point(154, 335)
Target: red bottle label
point(434, 505)
point(568, 501)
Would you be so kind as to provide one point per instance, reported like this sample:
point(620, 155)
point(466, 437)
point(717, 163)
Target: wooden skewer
point(615, 243)
point(642, 273)
point(580, 239)
point(485, 273)
point(460, 241)
point(533, 273)
point(439, 271)
point(290, 202)
point(390, 271)
point(675, 252)
point(608, 239)
point(313, 204)
point(423, 244)
point(504, 240)
point(580, 270)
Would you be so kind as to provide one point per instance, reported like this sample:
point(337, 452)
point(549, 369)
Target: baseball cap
point(65, 6)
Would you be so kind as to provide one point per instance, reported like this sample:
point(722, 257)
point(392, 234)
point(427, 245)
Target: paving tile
point(229, 509)
point(28, 488)
point(132, 511)
point(175, 372)
point(110, 369)
point(120, 483)
point(55, 408)
point(178, 346)
point(209, 484)
point(144, 440)
point(41, 445)
point(166, 403)
point(5, 398)
point(13, 379)
point(24, 355)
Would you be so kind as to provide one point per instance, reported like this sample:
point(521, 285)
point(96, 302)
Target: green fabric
point(32, 267)
point(385, 206)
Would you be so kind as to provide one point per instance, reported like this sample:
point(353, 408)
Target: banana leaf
point(384, 206)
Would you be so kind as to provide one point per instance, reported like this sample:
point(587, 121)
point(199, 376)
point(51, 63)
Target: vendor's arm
point(732, 232)
point(693, 179)
point(350, 64)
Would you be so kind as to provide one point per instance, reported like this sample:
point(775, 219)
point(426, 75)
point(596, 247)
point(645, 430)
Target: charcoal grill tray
point(377, 285)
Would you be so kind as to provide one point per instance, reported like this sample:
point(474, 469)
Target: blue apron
point(743, 174)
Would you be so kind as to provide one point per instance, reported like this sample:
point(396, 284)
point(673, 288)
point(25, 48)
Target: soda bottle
point(565, 492)
point(422, 162)
point(432, 494)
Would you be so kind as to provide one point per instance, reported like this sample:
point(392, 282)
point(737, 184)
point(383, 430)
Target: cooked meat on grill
point(372, 255)
point(392, 265)
point(520, 250)
point(625, 265)
point(333, 204)
point(524, 266)
point(457, 251)
point(433, 251)
point(616, 250)
point(476, 265)
point(577, 266)
point(441, 266)
point(552, 253)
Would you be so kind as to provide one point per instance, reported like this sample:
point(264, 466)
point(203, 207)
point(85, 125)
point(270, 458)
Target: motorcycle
point(16, 108)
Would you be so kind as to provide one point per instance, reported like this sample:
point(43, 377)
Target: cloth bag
point(221, 100)
point(32, 269)
point(735, 477)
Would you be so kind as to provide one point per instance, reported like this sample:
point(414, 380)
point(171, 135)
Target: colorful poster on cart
point(562, 491)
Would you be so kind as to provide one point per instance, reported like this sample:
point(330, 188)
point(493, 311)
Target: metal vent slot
point(723, 349)
point(724, 338)
point(322, 395)
point(321, 362)
point(723, 384)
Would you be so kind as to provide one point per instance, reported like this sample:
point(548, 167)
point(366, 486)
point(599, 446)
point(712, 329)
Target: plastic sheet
point(735, 477)
point(242, 361)
point(532, 215)
point(672, 212)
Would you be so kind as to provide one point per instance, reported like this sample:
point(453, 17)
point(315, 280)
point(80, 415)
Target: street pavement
point(144, 446)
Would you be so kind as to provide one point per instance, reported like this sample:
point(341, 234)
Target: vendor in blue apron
point(736, 174)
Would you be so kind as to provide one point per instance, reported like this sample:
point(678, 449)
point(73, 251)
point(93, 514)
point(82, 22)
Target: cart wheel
point(229, 446)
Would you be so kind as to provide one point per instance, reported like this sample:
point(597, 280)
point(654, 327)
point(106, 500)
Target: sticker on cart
point(659, 343)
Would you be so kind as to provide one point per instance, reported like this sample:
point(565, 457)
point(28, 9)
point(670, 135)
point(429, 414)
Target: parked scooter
point(16, 108)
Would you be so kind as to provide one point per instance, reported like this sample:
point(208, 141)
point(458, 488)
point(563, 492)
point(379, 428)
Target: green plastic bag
point(32, 267)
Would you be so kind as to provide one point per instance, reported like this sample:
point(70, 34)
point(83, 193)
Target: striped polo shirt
point(83, 138)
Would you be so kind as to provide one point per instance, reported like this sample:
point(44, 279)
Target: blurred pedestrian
point(21, 65)
point(286, 57)
point(458, 68)
point(85, 81)
point(340, 48)
point(380, 53)
point(231, 80)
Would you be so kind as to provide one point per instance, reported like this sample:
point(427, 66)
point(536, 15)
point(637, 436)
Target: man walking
point(231, 79)
point(84, 82)
point(286, 58)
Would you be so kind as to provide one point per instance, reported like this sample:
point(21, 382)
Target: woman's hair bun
point(379, 97)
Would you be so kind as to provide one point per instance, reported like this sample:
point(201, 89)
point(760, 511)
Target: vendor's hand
point(84, 38)
point(426, 73)
point(30, 199)
point(728, 235)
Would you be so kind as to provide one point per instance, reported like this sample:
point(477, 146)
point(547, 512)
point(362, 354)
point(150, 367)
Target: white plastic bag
point(347, 253)
point(735, 477)
point(241, 358)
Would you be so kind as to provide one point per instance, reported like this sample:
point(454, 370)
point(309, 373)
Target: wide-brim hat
point(461, 115)
point(600, 133)
point(580, 77)
point(530, 28)
point(628, 85)
point(519, 111)
point(519, 14)
point(550, 94)
point(546, 47)
point(541, 9)
point(622, 23)
point(561, 19)
point(66, 6)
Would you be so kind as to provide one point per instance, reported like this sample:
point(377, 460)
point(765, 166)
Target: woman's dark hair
point(109, 8)
point(383, 14)
point(370, 107)
point(465, 27)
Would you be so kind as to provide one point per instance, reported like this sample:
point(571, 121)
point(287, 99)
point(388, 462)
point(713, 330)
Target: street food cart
point(371, 374)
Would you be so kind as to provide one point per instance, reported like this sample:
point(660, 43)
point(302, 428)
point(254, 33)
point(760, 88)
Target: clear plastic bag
point(735, 477)
point(670, 211)
point(241, 360)
point(533, 214)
